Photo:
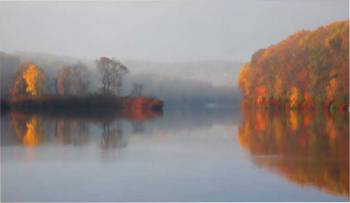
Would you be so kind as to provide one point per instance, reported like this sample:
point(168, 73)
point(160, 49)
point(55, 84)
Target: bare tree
point(112, 74)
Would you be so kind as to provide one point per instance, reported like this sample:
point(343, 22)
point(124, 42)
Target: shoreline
point(109, 106)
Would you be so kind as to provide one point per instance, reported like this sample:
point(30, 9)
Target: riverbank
point(138, 108)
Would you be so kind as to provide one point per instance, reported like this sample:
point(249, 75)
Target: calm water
point(197, 155)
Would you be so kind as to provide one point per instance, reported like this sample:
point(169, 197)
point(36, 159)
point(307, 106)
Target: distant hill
point(216, 72)
point(309, 69)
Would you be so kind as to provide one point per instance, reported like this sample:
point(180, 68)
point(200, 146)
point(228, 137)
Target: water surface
point(197, 155)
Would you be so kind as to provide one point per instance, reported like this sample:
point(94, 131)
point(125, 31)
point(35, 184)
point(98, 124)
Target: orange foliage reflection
point(141, 108)
point(32, 130)
point(307, 148)
point(31, 137)
point(27, 129)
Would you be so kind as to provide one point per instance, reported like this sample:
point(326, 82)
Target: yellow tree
point(34, 79)
point(29, 81)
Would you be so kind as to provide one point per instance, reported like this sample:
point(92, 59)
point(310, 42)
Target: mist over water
point(183, 155)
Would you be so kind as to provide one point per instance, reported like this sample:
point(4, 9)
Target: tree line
point(309, 69)
point(30, 80)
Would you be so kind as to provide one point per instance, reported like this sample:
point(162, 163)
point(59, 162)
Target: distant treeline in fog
point(60, 75)
point(310, 69)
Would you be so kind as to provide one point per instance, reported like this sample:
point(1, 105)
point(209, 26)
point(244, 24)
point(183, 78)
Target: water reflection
point(32, 130)
point(112, 136)
point(74, 132)
point(176, 151)
point(28, 130)
point(309, 149)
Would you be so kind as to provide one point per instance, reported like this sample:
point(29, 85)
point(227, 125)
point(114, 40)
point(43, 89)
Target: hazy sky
point(168, 30)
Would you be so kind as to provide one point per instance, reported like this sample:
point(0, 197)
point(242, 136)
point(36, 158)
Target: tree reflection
point(28, 130)
point(137, 127)
point(112, 135)
point(74, 132)
point(307, 148)
point(32, 130)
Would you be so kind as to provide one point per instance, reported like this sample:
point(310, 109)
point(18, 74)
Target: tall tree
point(30, 80)
point(112, 74)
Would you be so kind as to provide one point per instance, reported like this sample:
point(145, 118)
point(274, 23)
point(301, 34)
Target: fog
point(160, 30)
point(171, 47)
point(182, 84)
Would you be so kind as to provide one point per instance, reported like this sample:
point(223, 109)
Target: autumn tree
point(112, 74)
point(309, 69)
point(29, 80)
point(73, 80)
point(19, 86)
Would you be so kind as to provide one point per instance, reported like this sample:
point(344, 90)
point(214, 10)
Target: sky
point(168, 30)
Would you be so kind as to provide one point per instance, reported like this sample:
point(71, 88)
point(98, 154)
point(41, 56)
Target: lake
point(201, 154)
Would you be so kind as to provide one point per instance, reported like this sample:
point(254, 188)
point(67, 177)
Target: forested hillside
point(309, 69)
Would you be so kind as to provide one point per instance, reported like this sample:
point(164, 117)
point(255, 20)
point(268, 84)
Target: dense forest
point(308, 70)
